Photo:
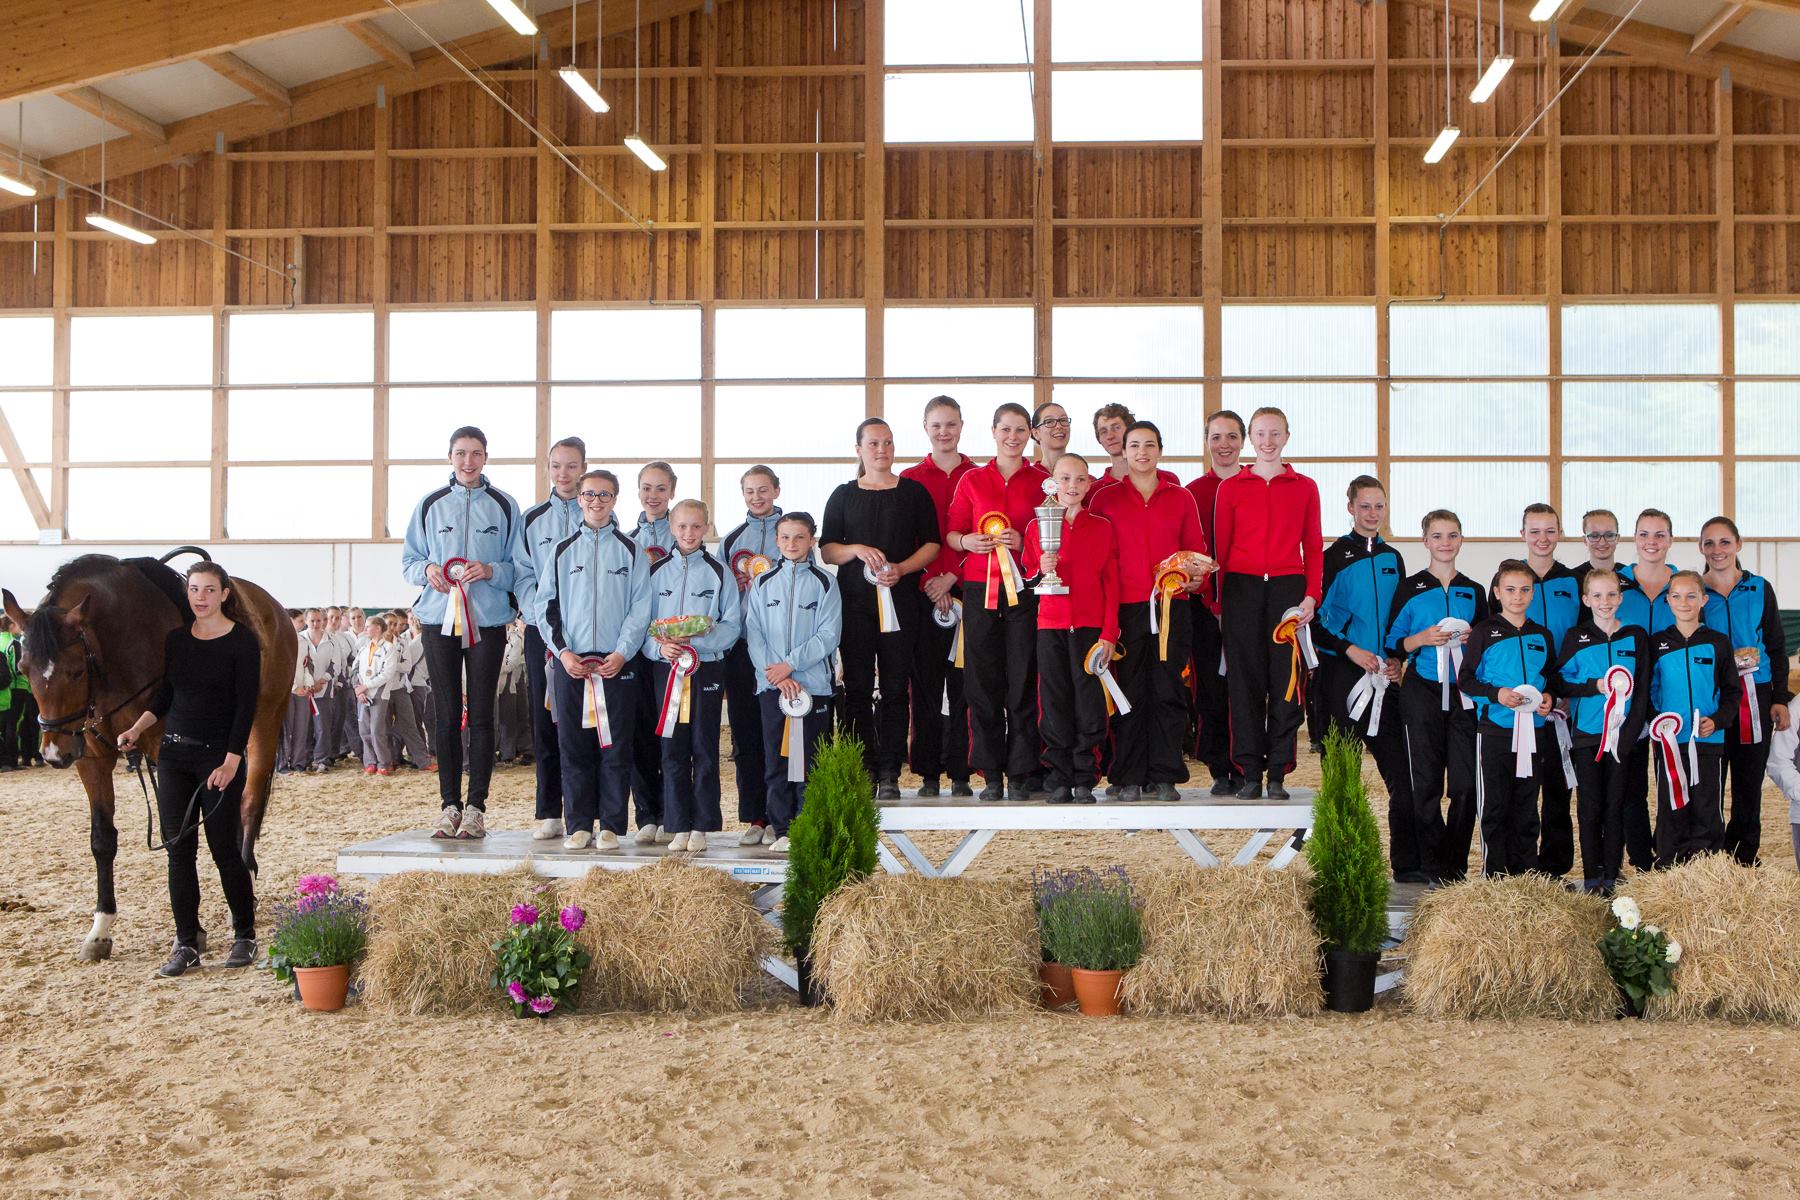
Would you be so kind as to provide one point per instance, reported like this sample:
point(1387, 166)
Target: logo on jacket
point(489, 529)
point(577, 569)
point(620, 571)
point(809, 607)
point(545, 541)
point(448, 529)
point(706, 595)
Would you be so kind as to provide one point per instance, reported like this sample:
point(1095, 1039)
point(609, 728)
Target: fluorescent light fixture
point(17, 187)
point(117, 230)
point(514, 16)
point(582, 86)
point(1490, 78)
point(1543, 10)
point(651, 158)
point(1441, 147)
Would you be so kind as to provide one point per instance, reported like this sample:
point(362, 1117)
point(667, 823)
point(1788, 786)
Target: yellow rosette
point(994, 524)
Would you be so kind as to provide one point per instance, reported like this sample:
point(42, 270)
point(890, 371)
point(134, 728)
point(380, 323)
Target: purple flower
point(573, 918)
point(516, 990)
point(524, 914)
point(317, 885)
point(541, 1005)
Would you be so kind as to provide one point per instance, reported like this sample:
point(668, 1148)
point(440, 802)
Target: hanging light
point(571, 74)
point(16, 183)
point(1496, 69)
point(642, 149)
point(1445, 139)
point(634, 141)
point(1543, 10)
point(120, 229)
point(515, 16)
point(1450, 133)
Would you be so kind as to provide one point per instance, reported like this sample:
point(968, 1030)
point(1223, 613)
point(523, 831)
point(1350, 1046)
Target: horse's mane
point(43, 637)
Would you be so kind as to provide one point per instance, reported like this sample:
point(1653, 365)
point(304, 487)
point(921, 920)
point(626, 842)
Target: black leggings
point(178, 773)
point(867, 653)
point(446, 661)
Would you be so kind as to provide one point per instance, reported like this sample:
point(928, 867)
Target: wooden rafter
point(1714, 31)
point(258, 84)
point(117, 113)
point(372, 36)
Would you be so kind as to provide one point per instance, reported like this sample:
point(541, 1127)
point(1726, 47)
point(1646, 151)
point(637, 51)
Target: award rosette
point(1291, 633)
point(740, 566)
point(593, 703)
point(1001, 570)
point(1450, 659)
point(655, 554)
point(793, 734)
point(1368, 695)
point(887, 618)
point(1619, 686)
point(1099, 664)
point(1748, 660)
point(677, 701)
point(1665, 730)
point(458, 622)
point(1524, 736)
point(952, 618)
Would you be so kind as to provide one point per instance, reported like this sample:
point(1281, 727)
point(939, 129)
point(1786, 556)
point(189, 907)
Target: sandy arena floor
point(113, 1083)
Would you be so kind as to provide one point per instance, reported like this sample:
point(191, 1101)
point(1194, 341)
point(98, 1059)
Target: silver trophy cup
point(1050, 531)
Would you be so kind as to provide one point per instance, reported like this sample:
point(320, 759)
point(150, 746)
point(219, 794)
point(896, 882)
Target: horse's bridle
point(88, 722)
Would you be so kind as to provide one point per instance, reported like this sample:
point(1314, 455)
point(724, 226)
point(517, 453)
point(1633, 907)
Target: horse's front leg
point(103, 839)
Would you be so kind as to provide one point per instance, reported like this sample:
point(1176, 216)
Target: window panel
point(1768, 418)
point(660, 343)
point(27, 351)
point(990, 106)
point(1768, 339)
point(1469, 339)
point(140, 351)
point(789, 343)
point(920, 32)
point(1125, 106)
point(30, 415)
point(420, 420)
point(1687, 491)
point(1460, 418)
point(807, 422)
point(1621, 418)
point(1126, 31)
point(805, 487)
point(16, 521)
point(328, 423)
point(473, 347)
point(410, 484)
point(1178, 410)
point(1298, 339)
point(1155, 339)
point(1641, 339)
point(140, 503)
point(904, 406)
point(1333, 478)
point(298, 502)
point(628, 422)
point(335, 347)
point(140, 426)
point(1488, 496)
point(1765, 500)
point(1325, 418)
point(952, 342)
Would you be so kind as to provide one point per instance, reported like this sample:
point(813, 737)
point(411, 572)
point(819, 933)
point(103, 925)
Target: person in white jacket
point(409, 695)
point(377, 671)
point(511, 717)
point(294, 727)
point(1784, 773)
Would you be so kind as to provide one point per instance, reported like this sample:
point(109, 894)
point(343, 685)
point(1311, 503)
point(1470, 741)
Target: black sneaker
point(243, 953)
point(182, 960)
point(1063, 795)
point(1420, 877)
point(1131, 794)
point(1113, 790)
point(1166, 793)
point(1277, 789)
point(928, 788)
point(1019, 791)
point(887, 789)
point(1083, 795)
point(1251, 788)
point(991, 792)
point(960, 787)
point(1227, 785)
point(1318, 749)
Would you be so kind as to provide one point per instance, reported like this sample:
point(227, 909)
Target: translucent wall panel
point(1155, 339)
point(140, 351)
point(628, 422)
point(27, 357)
point(1624, 418)
point(1641, 339)
point(432, 347)
point(1768, 339)
point(1298, 339)
point(1469, 339)
point(1126, 31)
point(988, 106)
point(409, 485)
point(1126, 106)
point(1324, 418)
point(661, 343)
point(904, 404)
point(328, 423)
point(1687, 491)
point(1178, 410)
point(1466, 418)
point(1333, 478)
point(789, 343)
point(1768, 418)
point(140, 426)
point(918, 32)
point(420, 420)
point(805, 487)
point(139, 503)
point(956, 342)
point(30, 415)
point(16, 522)
point(298, 502)
point(802, 422)
point(332, 347)
point(1765, 500)
point(1488, 496)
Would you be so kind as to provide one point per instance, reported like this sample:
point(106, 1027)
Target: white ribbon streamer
point(1524, 739)
point(1748, 708)
point(1619, 685)
point(1368, 694)
point(793, 738)
point(1103, 672)
point(593, 708)
point(1450, 660)
point(887, 617)
point(1565, 744)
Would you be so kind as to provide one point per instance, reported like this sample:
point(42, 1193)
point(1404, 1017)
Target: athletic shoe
point(991, 793)
point(1113, 790)
point(608, 840)
point(1277, 791)
point(448, 823)
point(1083, 795)
point(646, 835)
point(678, 842)
point(1226, 785)
point(1060, 795)
point(888, 789)
point(1019, 792)
point(320, 768)
point(243, 953)
point(960, 787)
point(696, 842)
point(182, 960)
point(1251, 788)
point(778, 846)
point(1166, 793)
point(430, 766)
point(752, 836)
point(1131, 793)
point(768, 837)
point(663, 835)
point(548, 828)
point(474, 825)
point(384, 771)
point(928, 788)
point(581, 839)
point(368, 770)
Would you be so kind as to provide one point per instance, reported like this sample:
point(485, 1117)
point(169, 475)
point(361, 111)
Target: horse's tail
point(178, 551)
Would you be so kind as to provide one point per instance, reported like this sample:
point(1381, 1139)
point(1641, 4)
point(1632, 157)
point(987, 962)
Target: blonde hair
point(1269, 410)
point(705, 512)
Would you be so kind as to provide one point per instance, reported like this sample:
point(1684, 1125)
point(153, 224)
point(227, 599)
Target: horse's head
point(60, 663)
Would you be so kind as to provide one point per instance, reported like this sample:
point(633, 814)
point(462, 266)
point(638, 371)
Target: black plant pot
point(1350, 981)
point(810, 994)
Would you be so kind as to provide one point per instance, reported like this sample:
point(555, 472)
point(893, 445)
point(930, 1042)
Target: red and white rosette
point(677, 699)
point(1368, 694)
point(793, 734)
point(1565, 744)
point(740, 567)
point(458, 621)
point(1619, 685)
point(1524, 738)
point(952, 618)
point(1099, 664)
point(1665, 728)
point(1748, 659)
point(1450, 660)
point(593, 704)
point(887, 618)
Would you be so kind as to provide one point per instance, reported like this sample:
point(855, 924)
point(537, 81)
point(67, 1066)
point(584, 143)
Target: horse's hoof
point(96, 949)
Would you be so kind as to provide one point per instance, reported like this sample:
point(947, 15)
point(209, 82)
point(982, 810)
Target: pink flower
point(317, 885)
point(516, 990)
point(573, 918)
point(524, 914)
point(542, 1005)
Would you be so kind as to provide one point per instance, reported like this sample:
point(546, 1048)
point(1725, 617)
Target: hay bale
point(1509, 948)
point(432, 935)
point(904, 947)
point(1234, 942)
point(668, 938)
point(1739, 929)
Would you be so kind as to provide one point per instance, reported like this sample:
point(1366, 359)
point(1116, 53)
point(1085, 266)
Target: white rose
point(1623, 905)
point(1673, 954)
point(1628, 920)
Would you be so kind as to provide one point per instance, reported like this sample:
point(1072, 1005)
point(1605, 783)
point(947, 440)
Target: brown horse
point(94, 656)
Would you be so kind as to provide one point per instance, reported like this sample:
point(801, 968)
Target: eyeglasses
point(596, 496)
point(1053, 422)
point(1602, 537)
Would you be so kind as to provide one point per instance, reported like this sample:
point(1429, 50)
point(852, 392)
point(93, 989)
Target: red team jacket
point(1104, 480)
point(1270, 528)
point(1089, 564)
point(941, 485)
point(1148, 531)
point(984, 490)
point(1206, 494)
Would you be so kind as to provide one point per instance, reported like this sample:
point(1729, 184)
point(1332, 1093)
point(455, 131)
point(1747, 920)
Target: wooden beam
point(258, 84)
point(116, 113)
point(376, 39)
point(1728, 19)
point(15, 460)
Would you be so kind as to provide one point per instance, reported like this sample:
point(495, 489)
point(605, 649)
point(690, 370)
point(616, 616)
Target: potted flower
point(831, 843)
point(1350, 883)
point(1092, 925)
point(1641, 957)
point(318, 935)
point(538, 964)
point(1056, 983)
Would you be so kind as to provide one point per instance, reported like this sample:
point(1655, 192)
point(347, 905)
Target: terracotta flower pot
point(1058, 986)
point(1097, 992)
point(323, 989)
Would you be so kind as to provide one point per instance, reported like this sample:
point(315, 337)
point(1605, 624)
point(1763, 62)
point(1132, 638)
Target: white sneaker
point(696, 842)
point(608, 840)
point(646, 835)
point(678, 841)
point(752, 836)
point(474, 825)
point(778, 846)
point(549, 827)
point(581, 839)
point(663, 836)
point(448, 823)
point(768, 836)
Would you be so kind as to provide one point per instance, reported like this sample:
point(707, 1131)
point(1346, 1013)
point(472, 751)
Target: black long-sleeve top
point(897, 521)
point(210, 686)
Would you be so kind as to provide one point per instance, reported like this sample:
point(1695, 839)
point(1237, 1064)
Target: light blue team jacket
point(599, 597)
point(793, 614)
point(480, 524)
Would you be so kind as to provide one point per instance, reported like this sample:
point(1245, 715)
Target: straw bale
point(1739, 929)
point(432, 936)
